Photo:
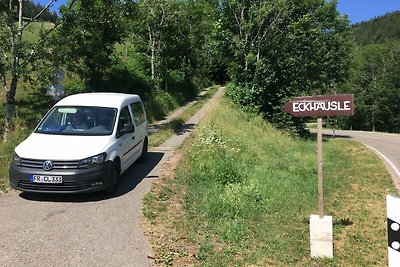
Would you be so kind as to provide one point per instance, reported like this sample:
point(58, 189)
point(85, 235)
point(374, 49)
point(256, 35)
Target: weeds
point(7, 149)
point(249, 191)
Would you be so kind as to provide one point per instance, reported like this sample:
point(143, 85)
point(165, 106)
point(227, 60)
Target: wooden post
point(320, 176)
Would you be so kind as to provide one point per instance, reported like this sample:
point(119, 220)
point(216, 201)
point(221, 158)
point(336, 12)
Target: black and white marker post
point(321, 228)
point(393, 228)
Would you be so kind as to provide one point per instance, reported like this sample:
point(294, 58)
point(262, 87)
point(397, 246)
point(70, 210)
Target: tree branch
point(39, 14)
point(42, 40)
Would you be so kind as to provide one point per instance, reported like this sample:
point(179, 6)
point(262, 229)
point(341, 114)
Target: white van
point(83, 144)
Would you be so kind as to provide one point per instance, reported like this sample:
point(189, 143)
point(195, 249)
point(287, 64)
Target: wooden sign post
point(320, 176)
point(321, 230)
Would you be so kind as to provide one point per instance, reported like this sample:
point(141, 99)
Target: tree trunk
point(10, 94)
point(152, 43)
point(10, 99)
point(153, 59)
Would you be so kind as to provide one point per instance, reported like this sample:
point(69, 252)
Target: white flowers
point(210, 139)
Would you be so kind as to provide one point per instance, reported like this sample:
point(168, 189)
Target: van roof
point(114, 100)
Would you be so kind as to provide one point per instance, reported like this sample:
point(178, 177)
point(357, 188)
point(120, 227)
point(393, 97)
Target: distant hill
point(378, 30)
point(30, 10)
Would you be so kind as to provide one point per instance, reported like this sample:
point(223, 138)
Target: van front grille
point(57, 165)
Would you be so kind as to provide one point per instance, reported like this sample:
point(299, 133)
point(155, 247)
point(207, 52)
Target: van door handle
point(133, 137)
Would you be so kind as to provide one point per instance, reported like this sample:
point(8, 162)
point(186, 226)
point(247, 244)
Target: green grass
point(245, 193)
point(32, 32)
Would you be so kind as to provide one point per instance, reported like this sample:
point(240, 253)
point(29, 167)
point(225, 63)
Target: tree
point(283, 49)
point(375, 81)
point(17, 54)
point(85, 42)
point(173, 37)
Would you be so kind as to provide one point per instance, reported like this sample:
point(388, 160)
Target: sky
point(363, 10)
point(357, 10)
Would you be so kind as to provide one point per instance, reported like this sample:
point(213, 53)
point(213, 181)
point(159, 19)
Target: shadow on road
point(186, 128)
point(325, 135)
point(126, 183)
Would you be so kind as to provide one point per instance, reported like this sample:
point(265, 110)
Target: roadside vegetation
point(244, 192)
point(163, 132)
point(167, 51)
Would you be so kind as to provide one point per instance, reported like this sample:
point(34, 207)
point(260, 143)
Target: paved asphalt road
point(387, 146)
point(77, 230)
point(85, 230)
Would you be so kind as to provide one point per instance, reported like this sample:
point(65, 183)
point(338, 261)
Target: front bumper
point(92, 179)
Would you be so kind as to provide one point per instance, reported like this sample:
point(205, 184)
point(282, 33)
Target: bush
point(251, 101)
point(248, 98)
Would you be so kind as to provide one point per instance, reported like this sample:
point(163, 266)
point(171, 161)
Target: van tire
point(113, 180)
point(143, 156)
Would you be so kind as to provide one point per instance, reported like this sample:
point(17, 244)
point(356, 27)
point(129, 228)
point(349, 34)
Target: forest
point(167, 50)
point(374, 76)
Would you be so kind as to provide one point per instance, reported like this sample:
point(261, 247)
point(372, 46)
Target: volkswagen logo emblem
point(47, 165)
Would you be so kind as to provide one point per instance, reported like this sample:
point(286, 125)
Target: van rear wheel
point(113, 180)
point(143, 156)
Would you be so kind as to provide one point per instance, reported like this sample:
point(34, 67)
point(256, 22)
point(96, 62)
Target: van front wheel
point(113, 179)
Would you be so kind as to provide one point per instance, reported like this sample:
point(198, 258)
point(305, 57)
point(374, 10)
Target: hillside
point(378, 30)
point(31, 10)
point(243, 194)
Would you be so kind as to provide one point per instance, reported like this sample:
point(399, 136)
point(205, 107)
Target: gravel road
point(85, 229)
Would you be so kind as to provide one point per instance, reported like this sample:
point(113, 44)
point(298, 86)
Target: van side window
point(138, 113)
point(124, 118)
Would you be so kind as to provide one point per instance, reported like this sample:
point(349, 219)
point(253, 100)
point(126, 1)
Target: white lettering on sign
point(320, 106)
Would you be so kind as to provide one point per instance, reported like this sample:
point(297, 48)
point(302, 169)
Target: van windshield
point(78, 120)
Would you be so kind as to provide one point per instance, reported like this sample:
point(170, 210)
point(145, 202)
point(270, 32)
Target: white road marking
point(387, 160)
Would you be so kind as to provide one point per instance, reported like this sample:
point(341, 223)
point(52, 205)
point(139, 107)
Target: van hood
point(61, 147)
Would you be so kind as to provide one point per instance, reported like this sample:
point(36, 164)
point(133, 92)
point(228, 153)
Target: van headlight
point(16, 159)
point(92, 161)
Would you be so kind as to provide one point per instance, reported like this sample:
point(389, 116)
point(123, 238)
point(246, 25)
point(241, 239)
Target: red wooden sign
point(322, 105)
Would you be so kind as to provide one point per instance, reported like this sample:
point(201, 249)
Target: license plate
point(46, 179)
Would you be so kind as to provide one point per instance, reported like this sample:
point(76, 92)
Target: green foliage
point(375, 82)
point(249, 99)
point(104, 45)
point(380, 30)
point(165, 99)
point(21, 56)
point(85, 41)
point(21, 130)
point(375, 78)
point(175, 51)
point(283, 49)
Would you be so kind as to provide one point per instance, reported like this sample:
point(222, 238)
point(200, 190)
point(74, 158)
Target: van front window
point(78, 120)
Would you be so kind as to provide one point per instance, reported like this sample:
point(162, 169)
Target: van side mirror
point(128, 128)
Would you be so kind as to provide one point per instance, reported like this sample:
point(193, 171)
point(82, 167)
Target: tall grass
point(7, 149)
point(247, 192)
